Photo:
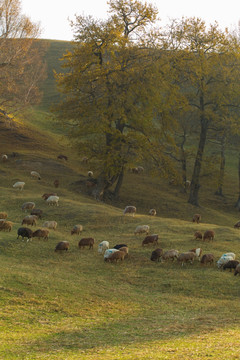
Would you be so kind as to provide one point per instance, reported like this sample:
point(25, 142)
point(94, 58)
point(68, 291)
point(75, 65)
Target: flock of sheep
point(119, 251)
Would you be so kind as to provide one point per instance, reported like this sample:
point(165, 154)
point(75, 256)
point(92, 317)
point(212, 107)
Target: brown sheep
point(186, 257)
point(196, 218)
point(28, 206)
point(56, 183)
point(77, 229)
point(86, 242)
point(198, 235)
point(231, 264)
point(37, 212)
point(62, 157)
point(208, 235)
point(118, 255)
point(30, 220)
point(3, 215)
point(125, 249)
point(237, 270)
point(6, 226)
point(207, 259)
point(41, 233)
point(150, 239)
point(47, 195)
point(62, 245)
point(237, 225)
point(156, 254)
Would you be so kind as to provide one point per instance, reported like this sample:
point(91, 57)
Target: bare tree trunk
point(119, 184)
point(222, 168)
point(194, 188)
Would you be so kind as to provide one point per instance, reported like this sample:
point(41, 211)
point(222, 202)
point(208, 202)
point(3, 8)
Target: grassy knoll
point(75, 306)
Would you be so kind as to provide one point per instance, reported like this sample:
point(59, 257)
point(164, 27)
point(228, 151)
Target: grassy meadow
point(73, 305)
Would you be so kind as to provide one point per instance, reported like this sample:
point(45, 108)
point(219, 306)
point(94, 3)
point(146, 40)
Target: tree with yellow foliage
point(21, 66)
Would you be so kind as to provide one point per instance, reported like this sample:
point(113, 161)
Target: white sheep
point(19, 185)
point(225, 258)
point(90, 174)
point(152, 212)
point(142, 229)
point(4, 157)
point(109, 253)
point(50, 224)
point(52, 200)
point(36, 175)
point(103, 246)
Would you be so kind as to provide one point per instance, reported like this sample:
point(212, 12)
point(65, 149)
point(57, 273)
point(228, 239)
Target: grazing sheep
point(4, 157)
point(47, 195)
point(125, 249)
point(41, 233)
point(37, 212)
point(85, 160)
point(207, 259)
point(198, 252)
point(62, 157)
point(156, 254)
point(86, 242)
point(118, 255)
point(225, 258)
point(130, 210)
point(103, 246)
point(208, 235)
point(237, 225)
point(187, 184)
point(198, 235)
point(142, 229)
point(152, 212)
point(108, 253)
point(90, 174)
point(19, 185)
point(36, 175)
point(52, 200)
point(30, 220)
point(196, 218)
point(50, 224)
point(62, 245)
point(150, 239)
point(3, 215)
point(56, 183)
point(24, 232)
point(170, 254)
point(237, 270)
point(119, 246)
point(6, 226)
point(28, 206)
point(231, 264)
point(135, 170)
point(186, 257)
point(77, 229)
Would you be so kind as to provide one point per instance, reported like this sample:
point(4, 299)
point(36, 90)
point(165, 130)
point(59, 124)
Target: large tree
point(21, 66)
point(209, 65)
point(112, 92)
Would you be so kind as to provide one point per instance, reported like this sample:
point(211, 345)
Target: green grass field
point(73, 305)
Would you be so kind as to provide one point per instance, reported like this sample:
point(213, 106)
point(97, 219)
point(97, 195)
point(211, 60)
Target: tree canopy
point(21, 66)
